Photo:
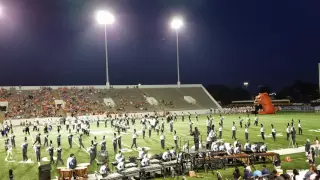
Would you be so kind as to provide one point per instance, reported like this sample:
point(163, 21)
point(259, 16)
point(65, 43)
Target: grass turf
point(280, 120)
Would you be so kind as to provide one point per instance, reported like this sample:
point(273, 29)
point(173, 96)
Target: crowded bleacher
point(41, 101)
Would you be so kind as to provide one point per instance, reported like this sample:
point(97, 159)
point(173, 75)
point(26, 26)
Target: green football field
point(29, 171)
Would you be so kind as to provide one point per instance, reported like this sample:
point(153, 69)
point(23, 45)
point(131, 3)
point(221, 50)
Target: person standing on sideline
point(262, 132)
point(273, 132)
point(162, 140)
point(299, 127)
point(134, 139)
point(182, 117)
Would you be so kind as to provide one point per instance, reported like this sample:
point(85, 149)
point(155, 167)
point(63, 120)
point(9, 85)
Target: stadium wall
point(102, 86)
point(16, 122)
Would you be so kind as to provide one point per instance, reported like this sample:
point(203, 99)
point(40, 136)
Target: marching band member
point(234, 129)
point(214, 147)
point(50, 150)
point(24, 147)
point(237, 149)
point(221, 120)
point(247, 146)
point(254, 148)
point(220, 131)
point(46, 140)
point(38, 152)
point(134, 139)
point(173, 153)
point(141, 153)
point(222, 147)
point(256, 120)
point(240, 121)
point(273, 132)
point(103, 144)
point(118, 156)
point(9, 152)
point(299, 127)
point(104, 170)
point(59, 155)
point(165, 155)
point(114, 142)
point(175, 138)
point(70, 136)
point(119, 141)
point(262, 132)
point(246, 132)
point(13, 141)
point(263, 148)
point(145, 161)
point(80, 141)
point(288, 131)
point(162, 140)
point(121, 165)
point(92, 154)
point(59, 139)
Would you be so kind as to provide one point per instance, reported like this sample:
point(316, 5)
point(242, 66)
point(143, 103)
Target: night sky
point(59, 42)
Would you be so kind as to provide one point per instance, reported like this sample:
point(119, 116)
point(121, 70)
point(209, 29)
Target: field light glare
point(104, 17)
point(176, 23)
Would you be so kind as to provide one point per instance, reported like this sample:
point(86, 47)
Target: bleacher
point(26, 102)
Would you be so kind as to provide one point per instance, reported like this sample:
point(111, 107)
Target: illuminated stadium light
point(104, 17)
point(176, 23)
point(245, 84)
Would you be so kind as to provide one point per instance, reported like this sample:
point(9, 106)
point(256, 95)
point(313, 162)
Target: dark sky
point(58, 42)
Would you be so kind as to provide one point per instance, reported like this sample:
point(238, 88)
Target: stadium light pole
point(105, 18)
point(176, 24)
point(245, 84)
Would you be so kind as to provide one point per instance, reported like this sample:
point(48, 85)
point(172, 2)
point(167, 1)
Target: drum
point(83, 165)
point(59, 171)
point(81, 171)
point(66, 173)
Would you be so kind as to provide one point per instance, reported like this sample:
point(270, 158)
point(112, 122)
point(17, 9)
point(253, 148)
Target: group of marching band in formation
point(149, 124)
